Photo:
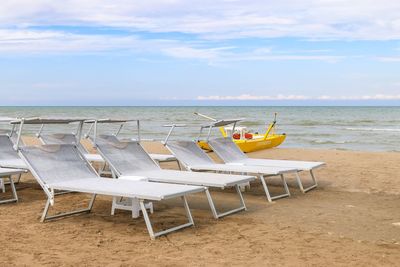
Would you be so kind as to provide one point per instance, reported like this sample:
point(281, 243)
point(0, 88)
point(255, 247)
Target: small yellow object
point(256, 143)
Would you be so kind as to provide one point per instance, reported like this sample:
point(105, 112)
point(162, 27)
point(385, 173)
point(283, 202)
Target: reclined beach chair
point(63, 167)
point(194, 158)
point(130, 158)
point(230, 153)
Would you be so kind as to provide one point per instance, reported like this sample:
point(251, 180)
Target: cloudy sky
point(127, 52)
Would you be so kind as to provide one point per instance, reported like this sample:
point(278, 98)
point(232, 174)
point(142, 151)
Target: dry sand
point(352, 218)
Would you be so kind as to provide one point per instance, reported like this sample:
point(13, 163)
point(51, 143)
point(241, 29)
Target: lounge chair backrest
point(59, 139)
point(57, 163)
point(125, 157)
point(226, 149)
point(7, 151)
point(189, 153)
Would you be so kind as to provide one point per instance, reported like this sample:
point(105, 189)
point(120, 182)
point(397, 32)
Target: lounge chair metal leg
point(264, 184)
point(152, 234)
point(18, 179)
point(102, 169)
point(179, 165)
point(285, 185)
point(220, 215)
point(45, 211)
point(211, 203)
point(2, 186)
point(45, 217)
point(13, 190)
point(314, 180)
point(91, 203)
point(239, 191)
point(267, 193)
point(15, 182)
point(305, 190)
point(114, 202)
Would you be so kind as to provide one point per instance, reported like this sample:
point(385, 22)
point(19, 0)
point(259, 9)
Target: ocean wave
point(308, 123)
point(329, 142)
point(336, 122)
point(373, 129)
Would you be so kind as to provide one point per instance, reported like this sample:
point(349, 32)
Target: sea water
point(349, 128)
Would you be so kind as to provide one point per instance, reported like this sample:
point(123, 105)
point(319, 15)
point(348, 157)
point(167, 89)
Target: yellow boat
point(249, 142)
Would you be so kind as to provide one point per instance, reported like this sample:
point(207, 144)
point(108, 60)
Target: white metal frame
point(94, 127)
point(46, 217)
point(311, 187)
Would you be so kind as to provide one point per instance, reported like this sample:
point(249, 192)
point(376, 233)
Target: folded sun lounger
point(63, 167)
point(230, 153)
point(195, 159)
point(130, 158)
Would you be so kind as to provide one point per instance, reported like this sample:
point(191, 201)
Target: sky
point(209, 52)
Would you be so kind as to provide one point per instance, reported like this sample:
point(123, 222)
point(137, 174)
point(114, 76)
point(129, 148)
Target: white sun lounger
point(194, 158)
point(63, 167)
point(231, 154)
point(130, 158)
point(8, 173)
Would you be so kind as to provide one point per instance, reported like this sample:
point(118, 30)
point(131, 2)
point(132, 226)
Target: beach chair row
point(62, 164)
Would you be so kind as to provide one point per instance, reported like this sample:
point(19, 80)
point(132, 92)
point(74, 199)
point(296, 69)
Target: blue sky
point(199, 52)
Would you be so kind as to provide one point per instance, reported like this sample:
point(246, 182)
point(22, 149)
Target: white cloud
point(27, 26)
point(29, 41)
point(333, 19)
point(389, 59)
point(298, 97)
point(252, 97)
point(25, 41)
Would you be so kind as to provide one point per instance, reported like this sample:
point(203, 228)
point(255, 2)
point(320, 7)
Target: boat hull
point(255, 144)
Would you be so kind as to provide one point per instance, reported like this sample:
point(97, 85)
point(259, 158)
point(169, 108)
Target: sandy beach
point(352, 218)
